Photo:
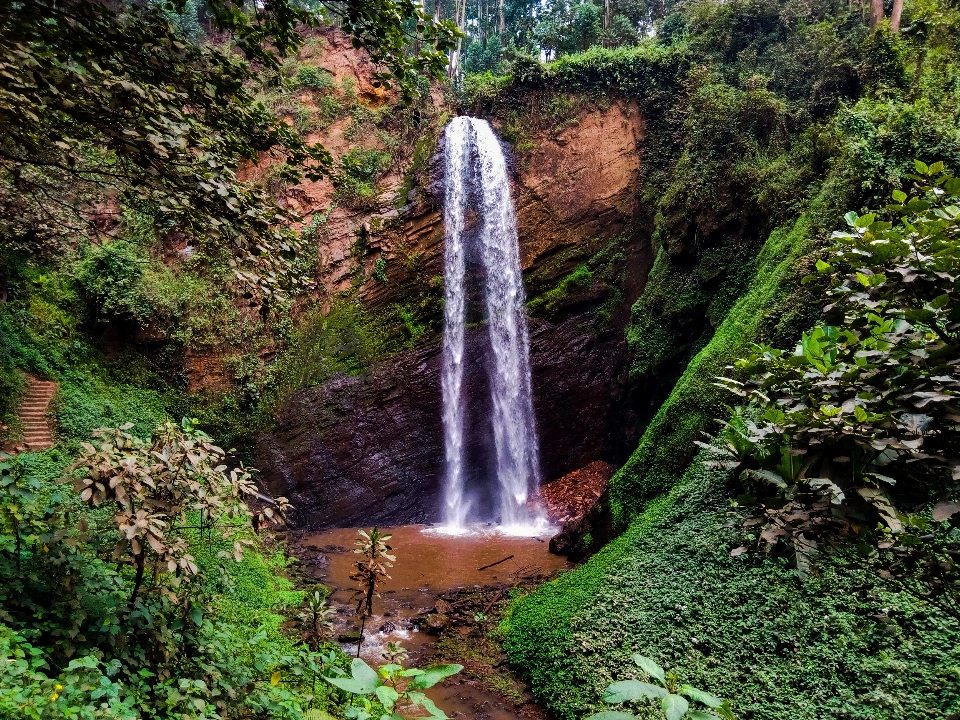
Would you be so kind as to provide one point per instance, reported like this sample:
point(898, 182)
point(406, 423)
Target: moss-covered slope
point(843, 644)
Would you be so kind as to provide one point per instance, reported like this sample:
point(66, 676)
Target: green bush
point(73, 644)
point(329, 108)
point(314, 78)
point(120, 282)
point(347, 339)
point(356, 181)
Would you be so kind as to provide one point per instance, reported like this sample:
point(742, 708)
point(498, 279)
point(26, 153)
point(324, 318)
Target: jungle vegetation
point(785, 534)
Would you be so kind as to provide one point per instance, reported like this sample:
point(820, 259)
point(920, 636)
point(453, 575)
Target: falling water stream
point(476, 180)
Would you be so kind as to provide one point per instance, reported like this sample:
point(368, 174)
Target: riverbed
point(429, 564)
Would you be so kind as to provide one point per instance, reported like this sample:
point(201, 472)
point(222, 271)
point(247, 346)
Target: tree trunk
point(138, 580)
point(607, 16)
point(363, 621)
point(876, 13)
point(895, 16)
point(503, 22)
point(418, 45)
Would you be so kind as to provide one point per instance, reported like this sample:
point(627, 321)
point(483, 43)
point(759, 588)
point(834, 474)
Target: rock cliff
point(369, 448)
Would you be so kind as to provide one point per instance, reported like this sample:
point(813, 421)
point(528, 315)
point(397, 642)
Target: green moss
point(314, 78)
point(667, 443)
point(484, 662)
point(744, 627)
point(86, 402)
point(424, 148)
point(579, 280)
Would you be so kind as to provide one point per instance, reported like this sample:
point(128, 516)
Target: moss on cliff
point(593, 273)
point(667, 443)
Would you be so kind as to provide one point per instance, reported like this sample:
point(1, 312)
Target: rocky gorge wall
point(369, 447)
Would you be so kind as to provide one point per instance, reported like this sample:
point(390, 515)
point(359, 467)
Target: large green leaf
point(701, 696)
point(363, 682)
point(387, 696)
point(626, 690)
point(434, 674)
point(649, 667)
point(418, 698)
point(350, 685)
point(674, 706)
point(701, 715)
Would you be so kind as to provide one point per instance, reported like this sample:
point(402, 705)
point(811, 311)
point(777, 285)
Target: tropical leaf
point(626, 690)
point(700, 696)
point(434, 674)
point(674, 706)
point(649, 667)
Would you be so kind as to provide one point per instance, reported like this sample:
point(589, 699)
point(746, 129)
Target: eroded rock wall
point(369, 448)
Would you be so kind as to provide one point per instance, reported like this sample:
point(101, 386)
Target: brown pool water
point(428, 565)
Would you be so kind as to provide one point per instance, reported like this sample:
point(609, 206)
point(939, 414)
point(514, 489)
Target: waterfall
point(456, 506)
point(476, 179)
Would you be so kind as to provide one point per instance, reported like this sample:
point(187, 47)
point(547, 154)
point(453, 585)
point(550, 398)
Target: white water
point(474, 159)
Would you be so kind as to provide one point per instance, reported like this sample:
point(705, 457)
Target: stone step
point(37, 434)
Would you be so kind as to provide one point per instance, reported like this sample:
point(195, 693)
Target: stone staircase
point(33, 415)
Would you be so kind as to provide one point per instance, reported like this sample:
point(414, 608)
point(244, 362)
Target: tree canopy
point(98, 102)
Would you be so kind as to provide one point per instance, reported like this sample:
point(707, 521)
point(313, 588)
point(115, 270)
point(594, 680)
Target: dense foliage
point(136, 228)
point(73, 72)
point(87, 633)
point(147, 155)
point(865, 408)
point(853, 641)
point(766, 122)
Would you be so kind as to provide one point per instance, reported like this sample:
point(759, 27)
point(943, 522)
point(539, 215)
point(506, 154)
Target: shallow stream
point(428, 565)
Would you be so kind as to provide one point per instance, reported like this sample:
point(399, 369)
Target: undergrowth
point(845, 643)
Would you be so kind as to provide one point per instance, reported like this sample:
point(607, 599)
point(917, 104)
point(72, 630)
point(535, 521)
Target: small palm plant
point(371, 572)
point(675, 699)
point(319, 616)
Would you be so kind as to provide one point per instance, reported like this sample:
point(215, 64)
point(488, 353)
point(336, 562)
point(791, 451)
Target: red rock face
point(369, 449)
point(580, 184)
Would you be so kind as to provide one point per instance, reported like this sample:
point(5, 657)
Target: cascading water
point(476, 168)
point(454, 203)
